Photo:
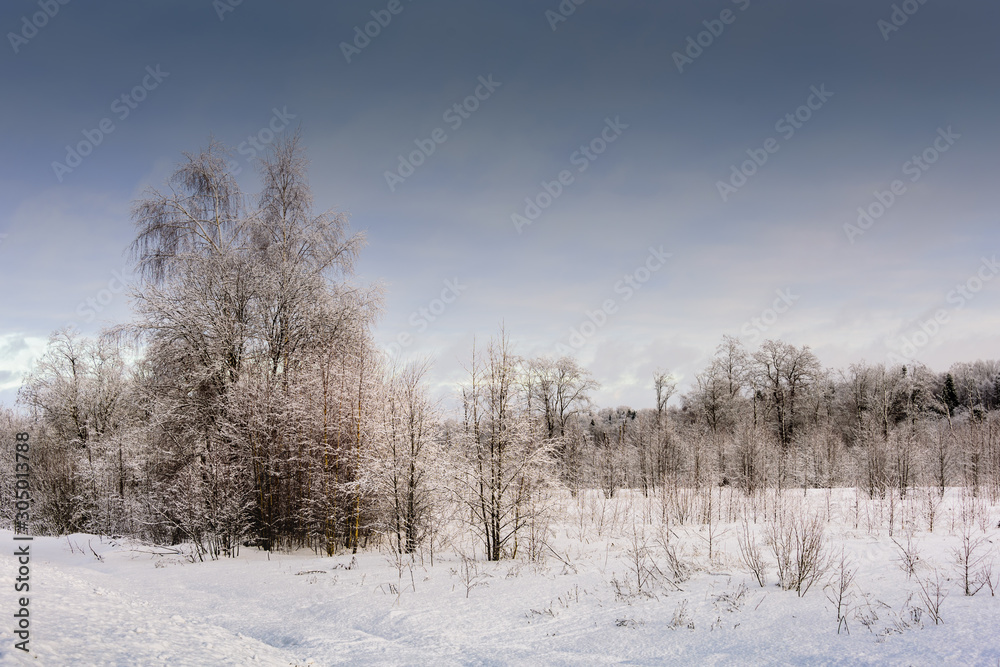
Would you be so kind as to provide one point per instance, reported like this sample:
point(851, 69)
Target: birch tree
point(507, 467)
point(240, 297)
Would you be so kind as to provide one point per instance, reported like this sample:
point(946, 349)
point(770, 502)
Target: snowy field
point(615, 585)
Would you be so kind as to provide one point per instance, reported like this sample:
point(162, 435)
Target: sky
point(625, 182)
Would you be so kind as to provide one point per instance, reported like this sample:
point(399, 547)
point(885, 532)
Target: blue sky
point(640, 143)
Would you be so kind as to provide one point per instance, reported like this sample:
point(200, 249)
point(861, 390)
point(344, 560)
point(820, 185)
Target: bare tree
point(239, 307)
point(408, 427)
point(786, 373)
point(79, 395)
point(667, 461)
point(558, 391)
point(506, 466)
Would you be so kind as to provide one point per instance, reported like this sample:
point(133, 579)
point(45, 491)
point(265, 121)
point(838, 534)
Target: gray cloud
point(656, 185)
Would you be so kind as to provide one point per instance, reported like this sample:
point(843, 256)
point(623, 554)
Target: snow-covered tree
point(507, 466)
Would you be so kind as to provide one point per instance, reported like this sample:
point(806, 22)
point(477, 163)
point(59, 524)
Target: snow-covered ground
point(604, 594)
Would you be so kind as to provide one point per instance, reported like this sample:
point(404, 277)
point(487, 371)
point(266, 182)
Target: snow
point(98, 601)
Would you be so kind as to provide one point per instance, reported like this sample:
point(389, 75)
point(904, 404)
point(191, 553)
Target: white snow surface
point(100, 601)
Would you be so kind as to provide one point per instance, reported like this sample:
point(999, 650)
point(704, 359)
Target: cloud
point(18, 353)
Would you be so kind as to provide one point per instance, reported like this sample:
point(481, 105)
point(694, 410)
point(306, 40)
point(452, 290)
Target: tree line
point(248, 404)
